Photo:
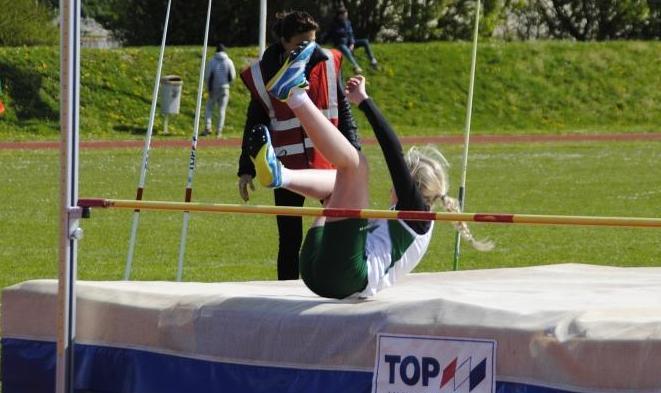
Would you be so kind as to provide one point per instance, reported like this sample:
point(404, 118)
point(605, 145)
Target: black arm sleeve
point(256, 115)
point(408, 195)
point(347, 124)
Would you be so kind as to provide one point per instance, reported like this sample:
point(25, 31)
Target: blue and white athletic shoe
point(292, 73)
point(262, 155)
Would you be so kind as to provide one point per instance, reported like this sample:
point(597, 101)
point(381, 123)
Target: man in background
point(340, 34)
point(218, 76)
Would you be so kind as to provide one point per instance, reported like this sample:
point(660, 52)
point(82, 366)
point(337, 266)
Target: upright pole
point(145, 151)
point(69, 210)
point(193, 153)
point(467, 131)
point(262, 27)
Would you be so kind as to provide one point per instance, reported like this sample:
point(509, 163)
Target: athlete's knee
point(349, 160)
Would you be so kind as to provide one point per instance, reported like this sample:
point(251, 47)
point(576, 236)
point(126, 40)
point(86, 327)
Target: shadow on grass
point(134, 130)
point(114, 90)
point(24, 86)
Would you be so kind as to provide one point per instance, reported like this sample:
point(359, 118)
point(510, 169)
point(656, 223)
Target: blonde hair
point(430, 172)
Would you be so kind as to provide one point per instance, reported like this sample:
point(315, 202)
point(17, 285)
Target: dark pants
point(290, 234)
point(364, 43)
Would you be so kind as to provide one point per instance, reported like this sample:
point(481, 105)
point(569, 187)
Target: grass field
point(617, 179)
point(522, 88)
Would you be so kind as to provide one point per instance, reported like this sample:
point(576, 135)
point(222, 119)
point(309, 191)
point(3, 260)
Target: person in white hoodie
point(219, 74)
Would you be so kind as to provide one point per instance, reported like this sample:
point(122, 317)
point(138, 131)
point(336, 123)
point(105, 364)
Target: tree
point(22, 22)
point(140, 22)
point(458, 18)
point(418, 19)
point(652, 29)
point(522, 21)
point(599, 20)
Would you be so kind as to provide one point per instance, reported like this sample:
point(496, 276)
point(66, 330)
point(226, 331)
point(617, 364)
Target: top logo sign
point(422, 364)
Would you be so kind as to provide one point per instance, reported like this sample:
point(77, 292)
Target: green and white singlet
point(392, 250)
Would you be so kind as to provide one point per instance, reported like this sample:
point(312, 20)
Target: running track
point(455, 139)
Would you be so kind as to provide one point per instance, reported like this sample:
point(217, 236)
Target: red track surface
point(458, 139)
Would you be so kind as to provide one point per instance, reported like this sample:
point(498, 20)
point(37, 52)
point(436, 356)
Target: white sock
point(284, 177)
point(297, 97)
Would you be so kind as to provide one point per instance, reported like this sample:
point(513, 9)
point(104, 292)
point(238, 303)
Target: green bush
point(24, 22)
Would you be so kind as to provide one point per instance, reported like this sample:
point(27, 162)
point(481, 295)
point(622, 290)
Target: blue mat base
point(29, 366)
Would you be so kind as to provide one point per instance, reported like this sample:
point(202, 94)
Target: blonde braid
point(430, 171)
point(452, 205)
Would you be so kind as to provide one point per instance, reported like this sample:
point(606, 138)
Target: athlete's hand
point(244, 182)
point(355, 89)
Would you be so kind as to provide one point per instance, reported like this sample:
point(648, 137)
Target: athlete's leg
point(325, 136)
point(350, 190)
point(223, 100)
point(351, 180)
point(348, 55)
point(313, 183)
point(288, 85)
point(364, 43)
point(208, 114)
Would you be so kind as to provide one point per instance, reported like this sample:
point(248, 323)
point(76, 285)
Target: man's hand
point(244, 182)
point(355, 89)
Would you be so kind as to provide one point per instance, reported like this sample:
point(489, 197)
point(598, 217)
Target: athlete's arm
point(408, 194)
point(347, 124)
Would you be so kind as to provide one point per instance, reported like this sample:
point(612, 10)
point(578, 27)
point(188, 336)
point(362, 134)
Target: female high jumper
point(344, 257)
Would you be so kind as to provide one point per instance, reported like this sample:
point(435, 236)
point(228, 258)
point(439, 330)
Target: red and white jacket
point(290, 142)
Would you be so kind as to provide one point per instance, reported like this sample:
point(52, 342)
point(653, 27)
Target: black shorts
point(332, 261)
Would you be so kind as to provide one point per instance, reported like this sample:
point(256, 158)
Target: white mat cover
point(575, 327)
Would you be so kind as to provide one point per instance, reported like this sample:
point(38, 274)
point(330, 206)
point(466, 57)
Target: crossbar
point(496, 218)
